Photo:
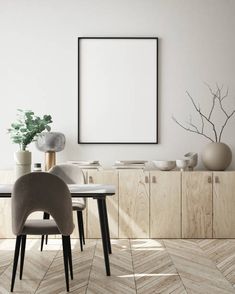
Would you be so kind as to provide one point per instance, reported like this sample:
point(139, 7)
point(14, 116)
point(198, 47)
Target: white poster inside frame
point(117, 90)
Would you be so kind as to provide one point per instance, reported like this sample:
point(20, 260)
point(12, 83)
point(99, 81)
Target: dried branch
point(225, 123)
point(202, 124)
point(190, 130)
point(220, 102)
point(213, 99)
point(204, 116)
point(193, 125)
point(226, 95)
point(215, 95)
point(220, 99)
point(218, 95)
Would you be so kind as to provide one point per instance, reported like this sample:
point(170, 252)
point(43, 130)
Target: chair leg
point(22, 254)
point(79, 218)
point(15, 262)
point(45, 216)
point(42, 241)
point(83, 234)
point(65, 255)
point(70, 258)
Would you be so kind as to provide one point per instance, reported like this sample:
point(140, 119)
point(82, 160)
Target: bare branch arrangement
point(218, 95)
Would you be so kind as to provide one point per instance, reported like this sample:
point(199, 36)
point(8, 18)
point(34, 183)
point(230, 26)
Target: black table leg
point(104, 234)
point(107, 225)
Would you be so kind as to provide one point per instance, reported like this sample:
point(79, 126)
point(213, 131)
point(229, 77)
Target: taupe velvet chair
point(41, 191)
point(71, 174)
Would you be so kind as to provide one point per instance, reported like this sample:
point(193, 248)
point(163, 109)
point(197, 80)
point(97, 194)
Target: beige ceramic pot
point(216, 156)
point(22, 163)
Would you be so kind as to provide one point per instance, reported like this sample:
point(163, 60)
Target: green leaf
point(28, 115)
point(16, 125)
point(28, 126)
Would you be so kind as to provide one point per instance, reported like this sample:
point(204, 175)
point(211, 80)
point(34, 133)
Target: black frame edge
point(157, 80)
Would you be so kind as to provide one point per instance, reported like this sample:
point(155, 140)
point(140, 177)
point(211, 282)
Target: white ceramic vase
point(22, 163)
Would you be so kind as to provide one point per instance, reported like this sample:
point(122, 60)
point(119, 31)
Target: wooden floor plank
point(54, 280)
point(121, 280)
point(222, 253)
point(198, 273)
point(137, 266)
point(154, 270)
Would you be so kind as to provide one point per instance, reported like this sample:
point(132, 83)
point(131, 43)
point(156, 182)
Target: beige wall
point(38, 65)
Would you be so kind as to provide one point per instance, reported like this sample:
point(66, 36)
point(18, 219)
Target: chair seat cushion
point(40, 227)
point(78, 204)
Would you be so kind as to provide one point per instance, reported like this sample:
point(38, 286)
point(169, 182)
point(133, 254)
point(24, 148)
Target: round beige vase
point(22, 163)
point(216, 156)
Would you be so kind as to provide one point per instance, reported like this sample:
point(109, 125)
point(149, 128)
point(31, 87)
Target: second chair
point(71, 174)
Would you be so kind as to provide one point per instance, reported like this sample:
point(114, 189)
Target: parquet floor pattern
point(137, 266)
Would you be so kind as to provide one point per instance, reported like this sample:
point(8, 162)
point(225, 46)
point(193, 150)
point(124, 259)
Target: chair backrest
point(39, 191)
point(69, 173)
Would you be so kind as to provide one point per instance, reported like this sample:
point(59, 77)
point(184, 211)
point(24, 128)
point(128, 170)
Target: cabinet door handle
point(217, 179)
point(209, 180)
point(90, 179)
point(154, 180)
point(146, 179)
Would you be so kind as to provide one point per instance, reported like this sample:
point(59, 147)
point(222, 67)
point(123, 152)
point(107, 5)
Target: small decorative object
point(193, 159)
point(23, 132)
point(217, 155)
point(130, 164)
point(37, 167)
point(164, 165)
point(50, 143)
point(182, 164)
point(86, 164)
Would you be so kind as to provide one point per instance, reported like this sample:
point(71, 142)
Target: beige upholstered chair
point(41, 191)
point(71, 174)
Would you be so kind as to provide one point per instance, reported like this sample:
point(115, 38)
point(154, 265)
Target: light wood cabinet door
point(93, 223)
point(133, 204)
point(197, 204)
point(165, 204)
point(6, 177)
point(224, 205)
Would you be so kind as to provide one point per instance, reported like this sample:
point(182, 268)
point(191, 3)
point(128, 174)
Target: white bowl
point(182, 164)
point(164, 164)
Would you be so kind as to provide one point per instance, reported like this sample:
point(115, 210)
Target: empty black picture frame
point(84, 115)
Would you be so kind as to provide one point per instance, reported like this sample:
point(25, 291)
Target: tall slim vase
point(22, 163)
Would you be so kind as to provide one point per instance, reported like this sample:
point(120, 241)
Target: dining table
point(99, 193)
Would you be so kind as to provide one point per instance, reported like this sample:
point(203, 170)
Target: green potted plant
point(24, 131)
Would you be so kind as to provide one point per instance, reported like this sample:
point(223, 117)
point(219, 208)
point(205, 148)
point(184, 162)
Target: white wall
point(38, 66)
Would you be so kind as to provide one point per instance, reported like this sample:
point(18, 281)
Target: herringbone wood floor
point(137, 266)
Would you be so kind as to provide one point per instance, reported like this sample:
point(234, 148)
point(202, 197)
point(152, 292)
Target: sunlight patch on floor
point(148, 249)
point(146, 275)
point(148, 243)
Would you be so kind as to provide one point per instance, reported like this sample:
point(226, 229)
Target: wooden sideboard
point(156, 204)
